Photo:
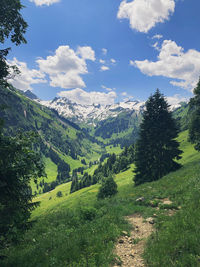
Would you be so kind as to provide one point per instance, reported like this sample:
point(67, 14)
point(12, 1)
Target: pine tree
point(194, 129)
point(156, 148)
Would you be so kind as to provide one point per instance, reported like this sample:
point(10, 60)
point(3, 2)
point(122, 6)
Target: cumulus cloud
point(65, 66)
point(131, 63)
point(44, 2)
point(104, 68)
point(113, 60)
point(176, 99)
point(104, 51)
point(86, 52)
point(143, 15)
point(102, 61)
point(88, 98)
point(27, 76)
point(174, 63)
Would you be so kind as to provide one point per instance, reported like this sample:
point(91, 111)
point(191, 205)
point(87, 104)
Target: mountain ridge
point(94, 113)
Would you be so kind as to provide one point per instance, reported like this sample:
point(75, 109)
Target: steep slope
point(64, 137)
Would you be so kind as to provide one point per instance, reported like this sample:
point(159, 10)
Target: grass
point(111, 149)
point(78, 230)
point(51, 172)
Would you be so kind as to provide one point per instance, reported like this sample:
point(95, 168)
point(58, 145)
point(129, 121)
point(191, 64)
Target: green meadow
point(78, 230)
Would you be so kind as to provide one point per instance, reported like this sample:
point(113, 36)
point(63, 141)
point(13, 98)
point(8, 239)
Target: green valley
point(78, 230)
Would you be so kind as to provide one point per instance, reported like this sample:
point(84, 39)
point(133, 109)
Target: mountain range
point(91, 114)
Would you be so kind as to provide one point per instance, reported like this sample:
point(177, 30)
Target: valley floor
point(78, 230)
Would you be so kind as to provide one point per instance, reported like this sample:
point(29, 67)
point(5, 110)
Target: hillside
point(88, 229)
point(59, 138)
point(115, 124)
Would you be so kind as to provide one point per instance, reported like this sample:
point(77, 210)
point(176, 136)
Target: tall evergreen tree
point(194, 129)
point(156, 149)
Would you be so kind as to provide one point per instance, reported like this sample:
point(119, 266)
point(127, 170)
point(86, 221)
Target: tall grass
point(77, 230)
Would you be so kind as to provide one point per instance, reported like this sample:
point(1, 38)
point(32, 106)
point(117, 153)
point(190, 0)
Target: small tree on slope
point(156, 149)
point(108, 188)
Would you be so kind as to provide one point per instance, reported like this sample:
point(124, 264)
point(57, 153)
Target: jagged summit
point(30, 95)
point(91, 113)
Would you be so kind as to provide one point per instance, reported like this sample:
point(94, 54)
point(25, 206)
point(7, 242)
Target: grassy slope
point(78, 230)
point(51, 172)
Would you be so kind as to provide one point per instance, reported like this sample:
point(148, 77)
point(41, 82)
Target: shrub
point(59, 194)
point(108, 188)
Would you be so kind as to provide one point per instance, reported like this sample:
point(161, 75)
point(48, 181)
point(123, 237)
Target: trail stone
point(125, 233)
point(150, 220)
point(140, 199)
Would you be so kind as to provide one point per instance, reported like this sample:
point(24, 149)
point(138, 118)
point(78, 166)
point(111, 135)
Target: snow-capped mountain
point(91, 113)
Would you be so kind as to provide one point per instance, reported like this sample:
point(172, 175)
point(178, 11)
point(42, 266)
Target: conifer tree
point(156, 149)
point(194, 129)
point(108, 188)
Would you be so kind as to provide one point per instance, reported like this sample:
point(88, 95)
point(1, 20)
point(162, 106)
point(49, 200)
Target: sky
point(110, 50)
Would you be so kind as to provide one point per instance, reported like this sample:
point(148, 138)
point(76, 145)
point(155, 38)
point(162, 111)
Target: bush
point(59, 194)
point(108, 188)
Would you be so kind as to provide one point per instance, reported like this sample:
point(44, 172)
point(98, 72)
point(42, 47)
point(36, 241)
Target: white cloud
point(132, 63)
point(86, 52)
point(157, 36)
point(104, 51)
point(44, 2)
point(104, 68)
point(65, 66)
point(102, 61)
point(27, 76)
point(145, 14)
point(113, 60)
point(156, 46)
point(124, 93)
point(88, 98)
point(174, 63)
point(176, 99)
point(107, 88)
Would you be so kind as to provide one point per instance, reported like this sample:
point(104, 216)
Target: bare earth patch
point(130, 249)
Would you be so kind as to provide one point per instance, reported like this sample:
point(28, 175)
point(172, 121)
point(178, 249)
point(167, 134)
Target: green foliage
point(65, 224)
point(182, 116)
point(11, 22)
point(194, 129)
point(113, 165)
point(108, 188)
point(156, 149)
point(122, 129)
point(18, 165)
point(59, 194)
point(13, 26)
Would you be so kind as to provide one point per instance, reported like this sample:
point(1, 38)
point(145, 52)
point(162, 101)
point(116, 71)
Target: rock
point(140, 199)
point(150, 220)
point(125, 233)
point(121, 241)
point(167, 202)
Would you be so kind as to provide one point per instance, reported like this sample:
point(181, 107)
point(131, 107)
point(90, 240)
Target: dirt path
point(130, 249)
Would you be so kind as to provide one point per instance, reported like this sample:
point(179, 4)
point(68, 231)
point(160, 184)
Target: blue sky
point(119, 49)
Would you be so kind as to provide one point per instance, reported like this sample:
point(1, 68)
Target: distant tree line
point(113, 165)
